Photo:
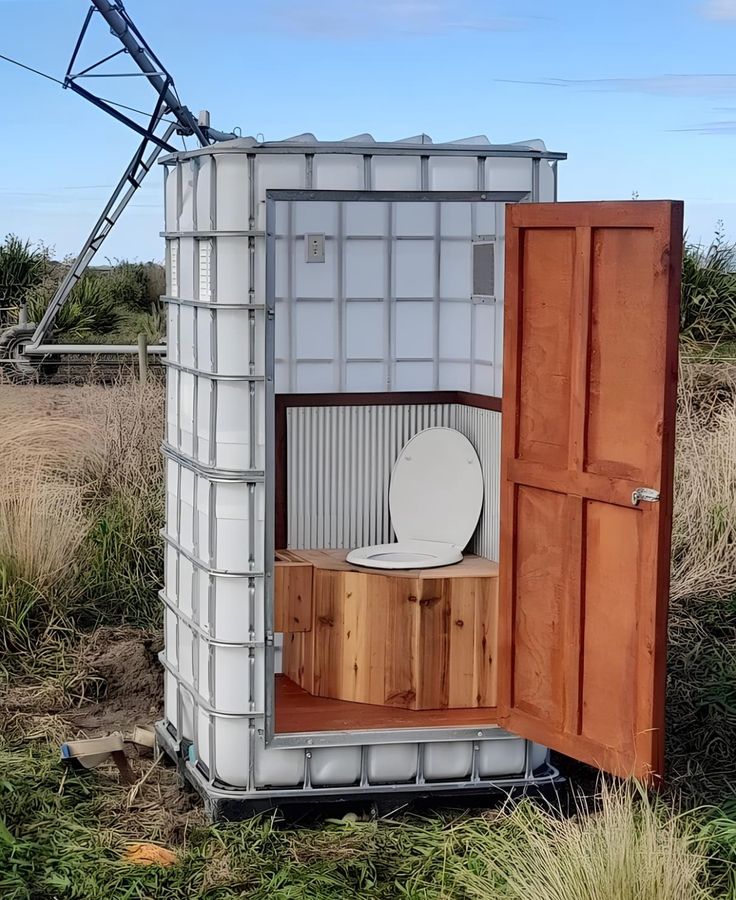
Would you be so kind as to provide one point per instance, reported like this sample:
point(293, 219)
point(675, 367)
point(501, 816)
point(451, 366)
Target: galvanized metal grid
point(482, 427)
point(478, 148)
point(196, 637)
point(334, 305)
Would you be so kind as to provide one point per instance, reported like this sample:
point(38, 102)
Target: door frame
point(276, 454)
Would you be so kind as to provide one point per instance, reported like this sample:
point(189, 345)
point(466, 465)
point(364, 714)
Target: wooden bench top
point(334, 560)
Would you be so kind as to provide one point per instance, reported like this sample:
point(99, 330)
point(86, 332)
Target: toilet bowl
point(434, 499)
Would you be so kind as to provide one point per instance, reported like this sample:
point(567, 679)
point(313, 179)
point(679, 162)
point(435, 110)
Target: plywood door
point(590, 349)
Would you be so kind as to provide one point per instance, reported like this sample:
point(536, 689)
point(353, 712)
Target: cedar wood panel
point(590, 351)
point(414, 638)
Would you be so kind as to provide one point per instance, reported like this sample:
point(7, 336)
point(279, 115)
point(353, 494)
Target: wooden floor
point(297, 711)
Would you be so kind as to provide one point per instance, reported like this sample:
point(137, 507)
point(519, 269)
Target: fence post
point(142, 357)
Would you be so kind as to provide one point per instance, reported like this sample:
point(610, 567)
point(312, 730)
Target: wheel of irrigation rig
point(18, 367)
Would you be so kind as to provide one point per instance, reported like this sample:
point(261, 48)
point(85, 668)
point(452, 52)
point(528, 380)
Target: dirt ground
point(117, 683)
point(125, 660)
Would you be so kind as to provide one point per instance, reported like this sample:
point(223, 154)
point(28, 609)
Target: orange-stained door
point(590, 371)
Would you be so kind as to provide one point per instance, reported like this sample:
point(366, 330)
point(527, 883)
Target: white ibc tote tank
point(219, 651)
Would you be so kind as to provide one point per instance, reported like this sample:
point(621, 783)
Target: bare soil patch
point(117, 683)
point(125, 661)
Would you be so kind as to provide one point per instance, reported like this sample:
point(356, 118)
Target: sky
point(640, 93)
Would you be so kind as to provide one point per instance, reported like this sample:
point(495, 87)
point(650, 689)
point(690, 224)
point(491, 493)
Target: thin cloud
point(720, 10)
point(727, 126)
point(371, 19)
point(682, 85)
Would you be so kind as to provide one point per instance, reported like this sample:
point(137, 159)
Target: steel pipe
point(90, 349)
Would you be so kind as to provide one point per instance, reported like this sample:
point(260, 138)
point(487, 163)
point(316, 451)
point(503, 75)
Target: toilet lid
point(436, 490)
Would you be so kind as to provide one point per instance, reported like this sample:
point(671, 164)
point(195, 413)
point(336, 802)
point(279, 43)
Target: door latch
point(648, 494)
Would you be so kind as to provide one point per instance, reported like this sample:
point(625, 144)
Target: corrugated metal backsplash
point(339, 466)
point(482, 427)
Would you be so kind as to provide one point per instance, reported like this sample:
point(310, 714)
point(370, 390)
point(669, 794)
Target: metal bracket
point(650, 495)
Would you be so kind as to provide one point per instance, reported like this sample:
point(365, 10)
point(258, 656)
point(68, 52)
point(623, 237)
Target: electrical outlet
point(315, 244)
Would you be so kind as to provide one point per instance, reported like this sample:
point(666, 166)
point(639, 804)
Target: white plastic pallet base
point(226, 803)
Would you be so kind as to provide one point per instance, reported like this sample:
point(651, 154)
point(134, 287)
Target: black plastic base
point(292, 811)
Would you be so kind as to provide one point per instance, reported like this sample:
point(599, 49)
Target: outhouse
point(419, 446)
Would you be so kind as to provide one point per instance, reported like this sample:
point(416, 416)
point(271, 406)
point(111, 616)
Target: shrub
point(136, 286)
point(127, 285)
point(23, 267)
point(708, 301)
point(89, 310)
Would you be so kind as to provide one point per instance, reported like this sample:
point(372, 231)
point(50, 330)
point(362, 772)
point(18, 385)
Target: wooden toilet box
point(414, 638)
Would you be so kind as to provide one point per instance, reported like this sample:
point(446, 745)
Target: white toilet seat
point(406, 555)
point(435, 498)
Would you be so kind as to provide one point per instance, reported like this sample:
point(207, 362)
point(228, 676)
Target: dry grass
point(42, 525)
point(94, 433)
point(128, 421)
point(54, 445)
point(105, 440)
point(154, 806)
point(80, 504)
point(48, 455)
point(628, 848)
point(704, 528)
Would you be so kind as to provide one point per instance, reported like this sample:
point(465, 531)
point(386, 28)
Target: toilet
point(434, 500)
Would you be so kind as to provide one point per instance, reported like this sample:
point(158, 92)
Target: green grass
point(122, 569)
point(701, 699)
point(64, 834)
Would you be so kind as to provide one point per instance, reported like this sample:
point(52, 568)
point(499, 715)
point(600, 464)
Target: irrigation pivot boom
point(24, 343)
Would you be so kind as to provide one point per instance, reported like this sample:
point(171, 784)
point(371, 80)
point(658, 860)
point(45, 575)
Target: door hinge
point(648, 494)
